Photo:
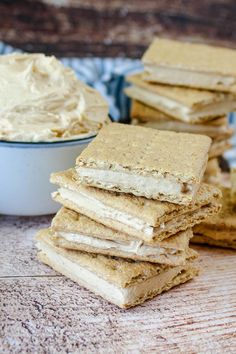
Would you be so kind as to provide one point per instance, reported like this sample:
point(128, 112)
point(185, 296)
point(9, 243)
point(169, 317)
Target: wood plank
point(17, 251)
point(54, 314)
point(43, 312)
point(116, 28)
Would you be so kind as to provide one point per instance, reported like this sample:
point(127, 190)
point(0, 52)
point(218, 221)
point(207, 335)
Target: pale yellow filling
point(42, 100)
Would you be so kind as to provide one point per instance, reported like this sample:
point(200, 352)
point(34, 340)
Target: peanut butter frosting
point(42, 100)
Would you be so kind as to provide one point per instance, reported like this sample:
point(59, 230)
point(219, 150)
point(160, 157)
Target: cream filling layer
point(175, 108)
point(150, 186)
point(134, 247)
point(97, 284)
point(90, 206)
point(185, 76)
point(89, 203)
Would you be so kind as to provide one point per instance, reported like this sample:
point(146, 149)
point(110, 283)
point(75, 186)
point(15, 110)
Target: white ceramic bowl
point(25, 169)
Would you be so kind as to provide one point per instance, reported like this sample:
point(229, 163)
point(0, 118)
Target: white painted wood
point(41, 312)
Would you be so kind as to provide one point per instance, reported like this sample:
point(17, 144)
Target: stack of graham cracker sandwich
point(233, 186)
point(220, 230)
point(187, 87)
point(128, 208)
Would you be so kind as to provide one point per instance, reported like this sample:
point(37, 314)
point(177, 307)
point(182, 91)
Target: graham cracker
point(145, 113)
point(170, 251)
point(152, 118)
point(139, 278)
point(189, 97)
point(220, 228)
point(213, 172)
point(151, 211)
point(165, 258)
point(116, 138)
point(154, 213)
point(183, 222)
point(226, 219)
point(206, 240)
point(233, 185)
point(67, 220)
point(146, 152)
point(192, 57)
point(218, 148)
point(213, 167)
point(181, 103)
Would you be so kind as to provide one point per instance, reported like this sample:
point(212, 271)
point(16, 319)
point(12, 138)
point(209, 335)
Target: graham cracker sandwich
point(219, 230)
point(190, 64)
point(75, 231)
point(213, 172)
point(125, 283)
point(146, 219)
point(145, 162)
point(233, 186)
point(149, 117)
point(185, 104)
point(218, 147)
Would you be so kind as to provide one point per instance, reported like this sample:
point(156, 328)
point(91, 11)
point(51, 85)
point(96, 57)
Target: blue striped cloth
point(107, 75)
point(230, 155)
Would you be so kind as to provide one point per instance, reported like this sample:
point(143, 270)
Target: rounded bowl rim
point(31, 144)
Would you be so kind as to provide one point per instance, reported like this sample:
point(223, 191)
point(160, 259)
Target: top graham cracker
point(189, 97)
point(191, 56)
point(146, 151)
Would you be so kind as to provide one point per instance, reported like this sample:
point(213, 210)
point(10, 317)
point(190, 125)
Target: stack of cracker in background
point(128, 208)
point(233, 186)
point(187, 87)
point(220, 230)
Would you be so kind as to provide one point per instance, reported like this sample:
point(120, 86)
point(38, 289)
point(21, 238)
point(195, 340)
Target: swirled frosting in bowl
point(42, 100)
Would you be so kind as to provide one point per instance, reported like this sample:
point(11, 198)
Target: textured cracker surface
point(122, 273)
point(207, 240)
point(226, 219)
point(145, 113)
point(147, 151)
point(189, 97)
point(187, 220)
point(185, 273)
point(188, 272)
point(227, 235)
point(183, 221)
point(218, 148)
point(215, 133)
point(67, 220)
point(153, 118)
point(213, 168)
point(151, 211)
point(196, 57)
point(233, 186)
point(197, 113)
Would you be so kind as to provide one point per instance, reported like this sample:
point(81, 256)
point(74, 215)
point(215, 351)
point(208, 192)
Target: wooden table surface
point(42, 312)
point(113, 28)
